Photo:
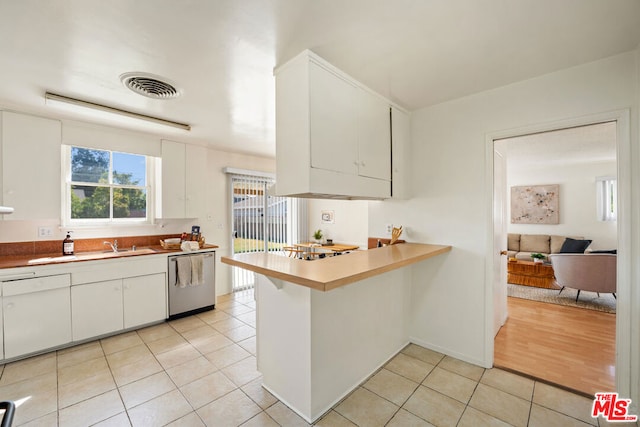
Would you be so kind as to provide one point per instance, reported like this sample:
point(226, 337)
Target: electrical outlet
point(44, 232)
point(389, 228)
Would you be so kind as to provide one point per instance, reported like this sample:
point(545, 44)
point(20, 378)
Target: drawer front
point(101, 271)
point(36, 284)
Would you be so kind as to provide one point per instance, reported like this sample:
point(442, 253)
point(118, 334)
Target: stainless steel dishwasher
point(187, 300)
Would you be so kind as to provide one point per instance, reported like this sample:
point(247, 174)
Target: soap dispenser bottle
point(67, 245)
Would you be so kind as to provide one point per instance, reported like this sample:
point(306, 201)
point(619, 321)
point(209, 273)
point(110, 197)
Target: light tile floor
point(201, 371)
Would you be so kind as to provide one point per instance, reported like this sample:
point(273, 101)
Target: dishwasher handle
point(173, 258)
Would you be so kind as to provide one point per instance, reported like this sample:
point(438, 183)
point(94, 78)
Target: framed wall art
point(535, 204)
point(327, 217)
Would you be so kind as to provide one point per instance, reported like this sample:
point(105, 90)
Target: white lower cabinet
point(36, 314)
point(1, 333)
point(145, 299)
point(104, 307)
point(97, 309)
point(42, 308)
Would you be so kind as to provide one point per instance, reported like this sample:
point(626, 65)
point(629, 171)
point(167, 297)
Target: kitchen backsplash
point(44, 247)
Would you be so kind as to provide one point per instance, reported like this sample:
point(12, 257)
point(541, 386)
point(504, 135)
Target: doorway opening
point(538, 338)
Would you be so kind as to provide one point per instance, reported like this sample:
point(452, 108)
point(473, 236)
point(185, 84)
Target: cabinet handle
point(362, 163)
point(18, 276)
point(355, 162)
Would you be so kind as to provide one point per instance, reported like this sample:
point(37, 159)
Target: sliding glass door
point(260, 222)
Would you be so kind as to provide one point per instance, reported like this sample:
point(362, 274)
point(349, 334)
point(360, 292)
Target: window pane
point(89, 165)
point(88, 202)
point(129, 203)
point(129, 169)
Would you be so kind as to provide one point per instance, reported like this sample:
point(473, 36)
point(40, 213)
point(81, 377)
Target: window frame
point(150, 178)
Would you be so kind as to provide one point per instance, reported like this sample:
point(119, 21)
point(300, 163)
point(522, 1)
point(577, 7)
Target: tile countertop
point(49, 259)
point(333, 272)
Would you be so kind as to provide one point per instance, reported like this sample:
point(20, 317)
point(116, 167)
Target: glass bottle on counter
point(67, 245)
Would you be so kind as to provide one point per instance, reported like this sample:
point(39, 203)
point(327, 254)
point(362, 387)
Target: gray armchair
point(586, 272)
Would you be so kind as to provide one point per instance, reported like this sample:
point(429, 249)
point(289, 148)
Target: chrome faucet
point(113, 245)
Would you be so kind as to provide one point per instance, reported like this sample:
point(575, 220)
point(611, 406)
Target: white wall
point(578, 202)
point(214, 221)
point(451, 193)
point(350, 216)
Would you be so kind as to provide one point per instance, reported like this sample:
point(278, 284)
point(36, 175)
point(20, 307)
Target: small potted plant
point(537, 258)
point(317, 235)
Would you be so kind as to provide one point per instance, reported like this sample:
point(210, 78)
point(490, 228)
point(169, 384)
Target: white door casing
point(500, 312)
point(625, 364)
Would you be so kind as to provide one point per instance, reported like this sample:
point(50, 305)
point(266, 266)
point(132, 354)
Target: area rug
point(588, 300)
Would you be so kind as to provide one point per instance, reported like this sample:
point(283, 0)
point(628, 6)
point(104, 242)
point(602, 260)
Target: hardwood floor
point(567, 346)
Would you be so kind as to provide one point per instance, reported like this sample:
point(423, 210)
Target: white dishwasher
point(187, 299)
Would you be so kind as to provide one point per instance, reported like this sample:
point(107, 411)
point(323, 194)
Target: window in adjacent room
point(106, 186)
point(607, 198)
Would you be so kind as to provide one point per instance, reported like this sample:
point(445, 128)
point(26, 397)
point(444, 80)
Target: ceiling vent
point(150, 85)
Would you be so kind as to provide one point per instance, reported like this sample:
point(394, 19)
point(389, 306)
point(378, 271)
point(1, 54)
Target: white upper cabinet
point(333, 103)
point(195, 181)
point(173, 180)
point(183, 180)
point(400, 143)
point(333, 135)
point(374, 136)
point(31, 144)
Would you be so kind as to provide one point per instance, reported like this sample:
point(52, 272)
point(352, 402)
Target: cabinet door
point(145, 299)
point(1, 331)
point(401, 163)
point(31, 144)
point(36, 321)
point(96, 309)
point(374, 136)
point(173, 179)
point(196, 165)
point(333, 121)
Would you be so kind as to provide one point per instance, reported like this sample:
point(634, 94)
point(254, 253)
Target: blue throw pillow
point(573, 246)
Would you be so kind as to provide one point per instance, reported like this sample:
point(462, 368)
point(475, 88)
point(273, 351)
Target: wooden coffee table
point(529, 273)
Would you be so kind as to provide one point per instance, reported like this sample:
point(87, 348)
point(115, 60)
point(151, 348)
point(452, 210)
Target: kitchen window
point(106, 186)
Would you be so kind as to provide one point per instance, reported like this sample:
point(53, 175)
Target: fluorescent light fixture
point(77, 105)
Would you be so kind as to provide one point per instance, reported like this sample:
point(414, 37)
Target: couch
point(521, 246)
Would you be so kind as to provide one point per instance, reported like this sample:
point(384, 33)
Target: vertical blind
point(260, 222)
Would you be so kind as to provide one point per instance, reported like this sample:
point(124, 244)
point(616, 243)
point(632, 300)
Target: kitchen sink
point(120, 253)
point(83, 256)
point(137, 251)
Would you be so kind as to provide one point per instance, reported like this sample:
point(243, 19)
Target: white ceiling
point(578, 145)
point(222, 52)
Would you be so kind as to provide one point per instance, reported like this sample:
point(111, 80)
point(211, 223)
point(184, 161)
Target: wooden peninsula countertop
point(332, 272)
